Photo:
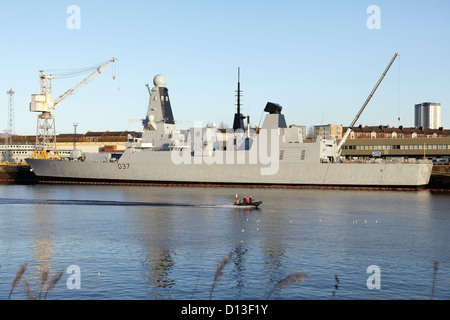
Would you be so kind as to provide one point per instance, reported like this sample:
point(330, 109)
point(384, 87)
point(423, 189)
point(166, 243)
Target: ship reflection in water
point(128, 250)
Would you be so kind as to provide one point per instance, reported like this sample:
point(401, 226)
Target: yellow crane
point(43, 102)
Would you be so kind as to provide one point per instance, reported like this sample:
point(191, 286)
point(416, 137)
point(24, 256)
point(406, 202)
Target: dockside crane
point(43, 102)
point(349, 129)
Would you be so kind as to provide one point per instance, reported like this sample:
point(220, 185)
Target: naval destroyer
point(274, 154)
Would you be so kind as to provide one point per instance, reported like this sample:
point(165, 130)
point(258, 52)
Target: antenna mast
point(238, 92)
point(10, 92)
point(238, 117)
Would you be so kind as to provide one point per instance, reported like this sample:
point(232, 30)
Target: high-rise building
point(427, 115)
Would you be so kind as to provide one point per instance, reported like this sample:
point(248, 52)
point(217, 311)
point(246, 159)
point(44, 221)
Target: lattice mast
point(11, 124)
point(238, 122)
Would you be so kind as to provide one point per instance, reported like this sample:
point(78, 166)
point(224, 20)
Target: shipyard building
point(390, 142)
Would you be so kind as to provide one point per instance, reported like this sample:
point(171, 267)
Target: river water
point(146, 243)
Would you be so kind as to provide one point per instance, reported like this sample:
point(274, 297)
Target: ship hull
point(324, 174)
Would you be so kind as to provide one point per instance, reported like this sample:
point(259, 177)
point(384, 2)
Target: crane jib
point(366, 102)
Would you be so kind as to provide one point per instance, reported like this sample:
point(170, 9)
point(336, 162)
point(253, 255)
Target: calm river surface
point(166, 242)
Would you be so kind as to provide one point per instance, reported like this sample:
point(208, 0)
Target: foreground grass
point(46, 284)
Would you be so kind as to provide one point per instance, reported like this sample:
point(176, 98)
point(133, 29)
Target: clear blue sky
point(318, 59)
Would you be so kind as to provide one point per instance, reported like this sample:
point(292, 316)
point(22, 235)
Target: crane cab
point(42, 103)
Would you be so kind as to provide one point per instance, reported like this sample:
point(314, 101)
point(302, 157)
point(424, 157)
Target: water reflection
point(238, 271)
point(42, 221)
point(173, 252)
point(273, 261)
point(158, 265)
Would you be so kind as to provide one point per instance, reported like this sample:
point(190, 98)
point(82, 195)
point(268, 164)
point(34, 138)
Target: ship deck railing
point(372, 161)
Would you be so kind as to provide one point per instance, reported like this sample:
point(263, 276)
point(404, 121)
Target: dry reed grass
point(46, 284)
point(16, 280)
point(436, 267)
point(219, 271)
point(296, 277)
point(336, 285)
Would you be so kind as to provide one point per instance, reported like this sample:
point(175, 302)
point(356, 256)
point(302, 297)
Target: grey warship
point(274, 154)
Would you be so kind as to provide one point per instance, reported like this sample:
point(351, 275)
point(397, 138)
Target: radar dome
point(159, 80)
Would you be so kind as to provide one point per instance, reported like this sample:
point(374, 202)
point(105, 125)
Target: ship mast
point(238, 117)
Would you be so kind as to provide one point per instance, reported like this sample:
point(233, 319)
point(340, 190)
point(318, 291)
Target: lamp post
point(75, 124)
